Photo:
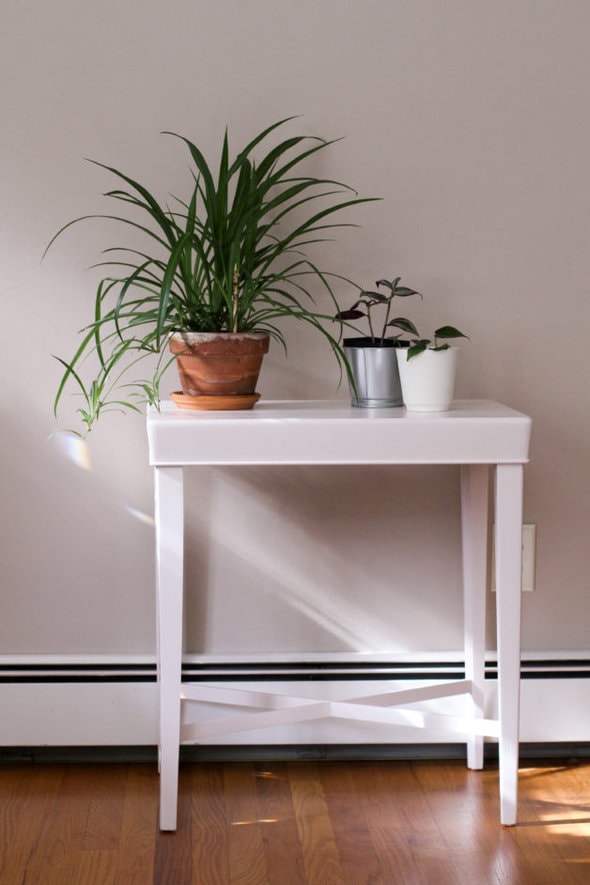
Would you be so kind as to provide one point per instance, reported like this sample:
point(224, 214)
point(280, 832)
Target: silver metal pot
point(375, 372)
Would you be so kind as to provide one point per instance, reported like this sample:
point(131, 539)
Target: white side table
point(474, 434)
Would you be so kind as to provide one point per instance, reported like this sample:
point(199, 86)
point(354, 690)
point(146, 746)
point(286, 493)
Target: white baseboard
point(59, 702)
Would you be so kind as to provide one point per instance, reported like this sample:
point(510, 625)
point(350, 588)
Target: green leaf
point(448, 332)
point(404, 324)
point(417, 347)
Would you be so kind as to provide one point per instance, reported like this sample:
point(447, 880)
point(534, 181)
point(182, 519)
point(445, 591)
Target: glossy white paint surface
point(473, 434)
point(334, 432)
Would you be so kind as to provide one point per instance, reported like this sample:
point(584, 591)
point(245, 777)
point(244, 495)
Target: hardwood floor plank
point(209, 825)
point(56, 855)
point(406, 835)
point(356, 848)
point(107, 790)
point(28, 794)
point(457, 798)
point(284, 854)
point(379, 804)
point(79, 840)
point(554, 825)
point(138, 827)
point(61, 859)
point(320, 852)
point(247, 857)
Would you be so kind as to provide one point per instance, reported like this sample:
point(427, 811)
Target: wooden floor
point(330, 823)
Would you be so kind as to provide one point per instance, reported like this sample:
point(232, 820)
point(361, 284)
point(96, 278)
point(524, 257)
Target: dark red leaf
point(350, 314)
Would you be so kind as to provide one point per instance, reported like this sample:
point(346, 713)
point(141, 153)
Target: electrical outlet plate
point(529, 541)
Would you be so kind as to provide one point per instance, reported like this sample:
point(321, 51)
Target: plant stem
point(386, 319)
point(371, 332)
point(235, 299)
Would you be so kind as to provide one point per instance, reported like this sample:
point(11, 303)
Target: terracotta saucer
point(214, 403)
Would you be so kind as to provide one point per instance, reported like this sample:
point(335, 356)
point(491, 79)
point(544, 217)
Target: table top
point(334, 432)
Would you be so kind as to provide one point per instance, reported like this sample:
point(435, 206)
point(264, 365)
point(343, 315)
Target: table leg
point(509, 479)
point(474, 525)
point(169, 518)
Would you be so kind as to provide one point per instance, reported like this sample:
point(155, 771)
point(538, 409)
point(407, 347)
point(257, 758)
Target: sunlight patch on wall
point(140, 515)
point(346, 620)
point(74, 449)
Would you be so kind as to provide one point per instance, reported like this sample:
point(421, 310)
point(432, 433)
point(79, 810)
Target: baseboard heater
point(57, 673)
point(84, 702)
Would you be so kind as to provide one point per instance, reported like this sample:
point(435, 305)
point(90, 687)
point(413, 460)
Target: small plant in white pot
point(427, 371)
point(374, 379)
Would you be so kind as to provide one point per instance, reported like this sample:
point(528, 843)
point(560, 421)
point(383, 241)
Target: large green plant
point(230, 257)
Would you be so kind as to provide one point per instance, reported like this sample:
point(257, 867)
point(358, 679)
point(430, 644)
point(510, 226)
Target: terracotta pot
point(219, 363)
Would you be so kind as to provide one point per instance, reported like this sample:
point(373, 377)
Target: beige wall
point(471, 120)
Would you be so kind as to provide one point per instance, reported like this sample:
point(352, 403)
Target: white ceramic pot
point(428, 379)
